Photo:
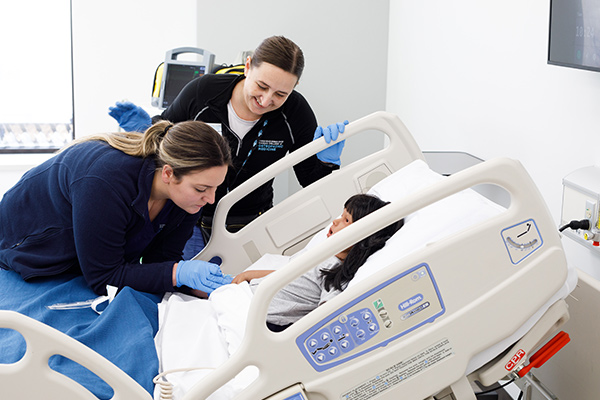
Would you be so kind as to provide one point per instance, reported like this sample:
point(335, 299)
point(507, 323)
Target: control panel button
point(342, 335)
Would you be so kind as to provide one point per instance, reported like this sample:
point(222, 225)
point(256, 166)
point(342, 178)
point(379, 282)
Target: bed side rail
point(485, 302)
point(291, 223)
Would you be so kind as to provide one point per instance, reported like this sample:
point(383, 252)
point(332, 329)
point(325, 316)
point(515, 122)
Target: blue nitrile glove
point(130, 117)
point(201, 275)
point(331, 154)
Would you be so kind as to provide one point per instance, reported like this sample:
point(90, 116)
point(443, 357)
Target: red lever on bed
point(546, 352)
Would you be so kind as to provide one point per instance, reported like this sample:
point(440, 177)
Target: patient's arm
point(249, 275)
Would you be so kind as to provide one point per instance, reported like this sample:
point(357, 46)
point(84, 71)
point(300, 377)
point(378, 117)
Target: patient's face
point(340, 223)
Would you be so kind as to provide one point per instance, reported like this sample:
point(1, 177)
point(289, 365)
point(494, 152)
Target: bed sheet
point(123, 333)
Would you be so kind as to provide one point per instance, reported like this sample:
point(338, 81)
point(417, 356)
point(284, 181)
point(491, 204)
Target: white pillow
point(401, 183)
point(405, 181)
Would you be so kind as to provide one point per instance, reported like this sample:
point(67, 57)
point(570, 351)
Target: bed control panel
point(374, 319)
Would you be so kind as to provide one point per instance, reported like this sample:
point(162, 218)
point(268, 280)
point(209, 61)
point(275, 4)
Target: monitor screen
point(574, 25)
point(177, 76)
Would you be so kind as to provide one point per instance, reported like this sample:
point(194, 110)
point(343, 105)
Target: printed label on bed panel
point(521, 240)
point(416, 299)
point(515, 360)
point(398, 373)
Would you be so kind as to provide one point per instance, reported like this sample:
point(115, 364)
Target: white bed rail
point(293, 221)
point(32, 378)
point(486, 298)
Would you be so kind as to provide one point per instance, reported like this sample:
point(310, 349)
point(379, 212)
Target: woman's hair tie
point(166, 130)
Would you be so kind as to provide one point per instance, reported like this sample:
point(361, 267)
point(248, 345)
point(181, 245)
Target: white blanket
point(202, 333)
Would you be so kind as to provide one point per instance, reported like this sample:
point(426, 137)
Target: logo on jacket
point(269, 145)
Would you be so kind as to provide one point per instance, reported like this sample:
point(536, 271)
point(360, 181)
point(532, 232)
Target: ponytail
point(186, 146)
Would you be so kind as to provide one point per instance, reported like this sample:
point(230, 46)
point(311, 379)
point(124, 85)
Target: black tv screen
point(575, 34)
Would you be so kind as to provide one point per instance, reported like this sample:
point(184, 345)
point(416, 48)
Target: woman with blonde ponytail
point(118, 208)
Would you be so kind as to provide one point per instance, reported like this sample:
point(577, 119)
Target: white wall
point(344, 44)
point(117, 46)
point(472, 76)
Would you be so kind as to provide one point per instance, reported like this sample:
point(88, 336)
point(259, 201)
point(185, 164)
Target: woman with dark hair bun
point(118, 208)
point(261, 116)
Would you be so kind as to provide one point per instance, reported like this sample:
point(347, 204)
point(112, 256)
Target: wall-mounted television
point(575, 34)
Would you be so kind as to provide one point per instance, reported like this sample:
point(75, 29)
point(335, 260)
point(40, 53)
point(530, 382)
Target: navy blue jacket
point(87, 208)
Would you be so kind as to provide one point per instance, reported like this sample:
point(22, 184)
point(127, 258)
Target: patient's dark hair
point(358, 206)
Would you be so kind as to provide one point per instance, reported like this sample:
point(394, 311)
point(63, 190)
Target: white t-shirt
point(300, 296)
point(238, 125)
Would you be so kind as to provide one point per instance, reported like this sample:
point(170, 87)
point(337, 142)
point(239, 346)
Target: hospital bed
point(453, 297)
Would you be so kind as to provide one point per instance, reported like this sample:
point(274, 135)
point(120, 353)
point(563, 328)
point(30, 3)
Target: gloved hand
point(331, 154)
point(201, 275)
point(130, 117)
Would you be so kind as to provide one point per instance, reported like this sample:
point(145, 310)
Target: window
point(36, 76)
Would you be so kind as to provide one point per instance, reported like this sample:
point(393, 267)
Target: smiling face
point(194, 190)
point(340, 223)
point(266, 88)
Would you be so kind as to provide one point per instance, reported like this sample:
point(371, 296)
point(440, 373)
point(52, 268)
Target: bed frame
point(493, 300)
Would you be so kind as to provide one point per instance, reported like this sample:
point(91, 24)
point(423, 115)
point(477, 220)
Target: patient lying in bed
point(218, 327)
point(330, 277)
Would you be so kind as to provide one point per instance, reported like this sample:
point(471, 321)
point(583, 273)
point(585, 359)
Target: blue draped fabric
point(123, 333)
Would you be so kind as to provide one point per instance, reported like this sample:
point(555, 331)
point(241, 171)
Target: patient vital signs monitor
point(172, 75)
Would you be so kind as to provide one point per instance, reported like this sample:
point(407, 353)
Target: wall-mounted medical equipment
point(580, 206)
point(571, 37)
point(173, 74)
